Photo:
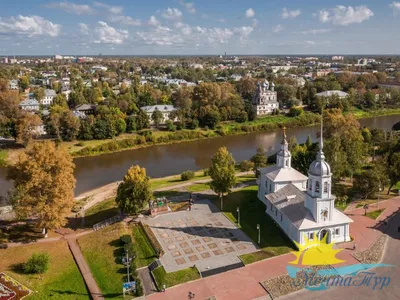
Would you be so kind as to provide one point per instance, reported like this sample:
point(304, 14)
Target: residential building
point(86, 109)
point(13, 85)
point(275, 69)
point(30, 104)
point(302, 206)
point(265, 99)
point(48, 97)
point(338, 93)
point(164, 109)
point(337, 57)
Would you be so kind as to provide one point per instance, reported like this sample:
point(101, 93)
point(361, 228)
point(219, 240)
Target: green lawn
point(156, 183)
point(102, 251)
point(174, 278)
point(145, 253)
point(252, 212)
point(3, 158)
point(101, 211)
point(375, 214)
point(62, 280)
point(198, 187)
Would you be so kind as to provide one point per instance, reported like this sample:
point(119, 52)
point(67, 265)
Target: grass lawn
point(102, 251)
point(3, 158)
point(198, 187)
point(145, 253)
point(62, 280)
point(252, 212)
point(375, 214)
point(156, 183)
point(174, 278)
point(101, 211)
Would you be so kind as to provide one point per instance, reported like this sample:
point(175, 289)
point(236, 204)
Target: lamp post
point(258, 228)
point(238, 211)
point(379, 194)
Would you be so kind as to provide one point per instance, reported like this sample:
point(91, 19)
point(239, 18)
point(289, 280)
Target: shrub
point(187, 175)
point(295, 111)
point(246, 166)
point(205, 172)
point(38, 263)
point(170, 126)
point(126, 239)
point(80, 144)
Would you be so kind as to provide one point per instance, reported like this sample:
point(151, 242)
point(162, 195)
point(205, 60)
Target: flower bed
point(11, 289)
point(152, 238)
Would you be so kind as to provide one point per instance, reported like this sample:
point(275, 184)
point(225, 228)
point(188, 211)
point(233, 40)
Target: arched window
point(310, 184)
point(317, 186)
point(287, 163)
point(325, 187)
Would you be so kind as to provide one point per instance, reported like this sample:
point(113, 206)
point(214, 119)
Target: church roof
point(337, 219)
point(289, 200)
point(278, 174)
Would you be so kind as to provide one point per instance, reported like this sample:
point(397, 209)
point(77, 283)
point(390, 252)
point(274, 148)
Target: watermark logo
point(314, 268)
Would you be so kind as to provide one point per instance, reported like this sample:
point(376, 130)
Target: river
point(159, 161)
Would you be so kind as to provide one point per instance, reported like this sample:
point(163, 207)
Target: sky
point(191, 27)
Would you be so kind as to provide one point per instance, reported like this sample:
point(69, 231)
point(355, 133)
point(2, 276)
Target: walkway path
point(91, 284)
point(148, 283)
point(244, 283)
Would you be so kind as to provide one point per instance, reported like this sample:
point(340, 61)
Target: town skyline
point(193, 28)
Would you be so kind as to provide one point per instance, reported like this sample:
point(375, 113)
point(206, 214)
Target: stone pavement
point(203, 237)
point(244, 283)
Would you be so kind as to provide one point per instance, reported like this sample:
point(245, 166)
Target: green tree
point(246, 166)
point(369, 181)
point(38, 263)
point(157, 117)
point(24, 82)
point(39, 93)
point(142, 120)
point(259, 160)
point(134, 191)
point(222, 172)
point(60, 100)
point(44, 185)
point(69, 126)
point(393, 170)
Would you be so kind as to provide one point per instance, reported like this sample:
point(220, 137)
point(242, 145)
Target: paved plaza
point(203, 237)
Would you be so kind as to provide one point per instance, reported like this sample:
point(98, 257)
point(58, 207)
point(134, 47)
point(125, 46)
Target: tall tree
point(222, 172)
point(259, 160)
point(44, 185)
point(393, 168)
point(157, 117)
point(134, 191)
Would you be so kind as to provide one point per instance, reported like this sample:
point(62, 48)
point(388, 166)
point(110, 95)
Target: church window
point(270, 187)
point(337, 231)
point(287, 163)
point(281, 217)
point(324, 214)
point(310, 184)
point(311, 235)
point(266, 183)
point(276, 212)
point(325, 187)
point(317, 186)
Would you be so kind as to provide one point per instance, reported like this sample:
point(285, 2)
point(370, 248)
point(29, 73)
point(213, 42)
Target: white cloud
point(179, 25)
point(172, 14)
point(290, 14)
point(250, 13)
point(277, 28)
point(189, 6)
point(153, 21)
point(29, 25)
point(254, 23)
point(315, 31)
point(395, 6)
point(105, 34)
point(112, 9)
point(126, 20)
point(243, 32)
point(83, 28)
point(342, 15)
point(72, 8)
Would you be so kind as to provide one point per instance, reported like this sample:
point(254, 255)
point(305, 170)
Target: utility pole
point(238, 211)
point(127, 264)
point(259, 236)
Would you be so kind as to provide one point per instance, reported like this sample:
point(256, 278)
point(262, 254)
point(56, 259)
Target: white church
point(302, 206)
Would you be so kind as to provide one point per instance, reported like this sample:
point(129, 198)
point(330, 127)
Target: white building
point(331, 93)
point(164, 109)
point(265, 99)
point(337, 57)
point(275, 69)
point(302, 206)
point(48, 97)
point(13, 84)
point(29, 104)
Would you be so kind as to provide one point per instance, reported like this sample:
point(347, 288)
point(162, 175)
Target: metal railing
point(107, 222)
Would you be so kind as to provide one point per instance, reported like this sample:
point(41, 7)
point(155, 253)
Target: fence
point(107, 222)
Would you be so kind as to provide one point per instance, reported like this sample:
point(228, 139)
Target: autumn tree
point(222, 172)
point(25, 128)
point(44, 185)
point(134, 191)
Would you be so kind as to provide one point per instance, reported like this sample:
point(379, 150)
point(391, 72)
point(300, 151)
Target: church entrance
point(323, 233)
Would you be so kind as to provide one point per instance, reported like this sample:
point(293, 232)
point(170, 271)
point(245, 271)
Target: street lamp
point(258, 228)
point(238, 211)
point(379, 194)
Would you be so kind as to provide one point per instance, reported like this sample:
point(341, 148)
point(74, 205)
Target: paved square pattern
point(203, 237)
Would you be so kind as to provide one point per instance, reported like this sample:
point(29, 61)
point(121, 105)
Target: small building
point(164, 109)
point(48, 97)
point(86, 109)
point(331, 93)
point(265, 100)
point(13, 84)
point(30, 104)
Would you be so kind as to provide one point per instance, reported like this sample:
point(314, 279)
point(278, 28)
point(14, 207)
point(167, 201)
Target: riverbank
point(159, 137)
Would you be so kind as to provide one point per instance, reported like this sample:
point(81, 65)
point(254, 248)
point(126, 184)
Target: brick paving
point(203, 236)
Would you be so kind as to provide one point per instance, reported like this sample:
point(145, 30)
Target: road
point(392, 291)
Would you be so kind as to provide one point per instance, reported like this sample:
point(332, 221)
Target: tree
point(209, 116)
point(24, 82)
point(295, 111)
point(69, 126)
point(39, 93)
point(246, 166)
point(134, 191)
point(142, 120)
point(60, 100)
point(44, 185)
point(38, 263)
point(25, 128)
point(222, 172)
point(393, 170)
point(120, 126)
point(157, 117)
point(369, 181)
point(259, 160)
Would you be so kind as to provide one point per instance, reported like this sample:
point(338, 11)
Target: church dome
point(319, 168)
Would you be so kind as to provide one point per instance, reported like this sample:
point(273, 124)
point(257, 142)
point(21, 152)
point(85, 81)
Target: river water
point(164, 160)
